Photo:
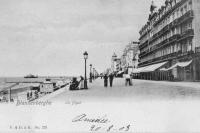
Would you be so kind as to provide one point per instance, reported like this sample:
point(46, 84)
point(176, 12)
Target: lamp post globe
point(85, 54)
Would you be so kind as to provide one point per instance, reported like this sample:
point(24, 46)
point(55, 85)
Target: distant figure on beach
point(81, 83)
point(74, 84)
point(105, 80)
point(111, 77)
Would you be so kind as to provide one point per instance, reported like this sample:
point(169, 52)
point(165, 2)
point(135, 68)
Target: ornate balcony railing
point(167, 57)
point(165, 42)
point(180, 53)
point(178, 4)
point(144, 53)
point(186, 34)
point(186, 16)
point(182, 19)
point(174, 37)
point(143, 44)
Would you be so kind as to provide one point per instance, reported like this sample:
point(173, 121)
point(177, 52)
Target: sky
point(49, 37)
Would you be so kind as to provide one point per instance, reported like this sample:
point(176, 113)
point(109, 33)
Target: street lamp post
point(90, 73)
point(85, 54)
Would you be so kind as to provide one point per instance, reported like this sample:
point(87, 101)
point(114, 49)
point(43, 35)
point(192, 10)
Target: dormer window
point(185, 9)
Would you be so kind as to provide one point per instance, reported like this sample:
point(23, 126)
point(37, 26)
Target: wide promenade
point(141, 90)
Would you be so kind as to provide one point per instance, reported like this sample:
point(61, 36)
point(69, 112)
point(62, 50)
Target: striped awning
point(149, 68)
point(120, 72)
point(180, 64)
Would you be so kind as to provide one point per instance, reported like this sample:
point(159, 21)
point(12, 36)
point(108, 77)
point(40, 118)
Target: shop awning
point(149, 68)
point(153, 67)
point(184, 64)
point(138, 70)
point(120, 72)
point(180, 64)
point(163, 69)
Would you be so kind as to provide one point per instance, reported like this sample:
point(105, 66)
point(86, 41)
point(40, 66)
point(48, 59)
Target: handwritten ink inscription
point(101, 124)
point(85, 118)
point(110, 128)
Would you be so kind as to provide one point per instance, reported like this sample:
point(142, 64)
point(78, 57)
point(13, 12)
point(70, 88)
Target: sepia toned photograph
point(99, 66)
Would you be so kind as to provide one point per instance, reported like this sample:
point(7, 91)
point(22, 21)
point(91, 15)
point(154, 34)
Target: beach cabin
point(46, 87)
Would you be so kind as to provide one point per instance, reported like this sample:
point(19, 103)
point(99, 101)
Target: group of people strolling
point(111, 77)
point(79, 84)
point(128, 79)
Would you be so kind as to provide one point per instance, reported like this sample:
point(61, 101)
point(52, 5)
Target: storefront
point(181, 71)
point(151, 72)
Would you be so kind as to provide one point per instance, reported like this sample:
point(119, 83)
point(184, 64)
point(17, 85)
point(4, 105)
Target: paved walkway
point(141, 90)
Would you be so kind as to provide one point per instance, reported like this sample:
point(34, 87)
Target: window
point(185, 9)
point(189, 45)
point(182, 12)
point(173, 3)
point(173, 16)
point(183, 28)
point(177, 13)
point(178, 47)
point(184, 47)
point(168, 19)
point(190, 5)
point(173, 49)
point(190, 25)
point(173, 31)
point(177, 30)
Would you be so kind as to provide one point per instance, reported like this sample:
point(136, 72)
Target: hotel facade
point(170, 42)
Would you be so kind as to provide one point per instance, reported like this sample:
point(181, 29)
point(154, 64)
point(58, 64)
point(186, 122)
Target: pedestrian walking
point(105, 80)
point(131, 77)
point(27, 95)
point(111, 77)
point(127, 80)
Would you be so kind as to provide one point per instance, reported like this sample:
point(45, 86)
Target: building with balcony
point(115, 63)
point(129, 59)
point(170, 42)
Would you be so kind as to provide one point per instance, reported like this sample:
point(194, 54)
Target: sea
point(22, 79)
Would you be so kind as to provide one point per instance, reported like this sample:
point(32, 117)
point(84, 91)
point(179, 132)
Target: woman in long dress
point(81, 84)
point(105, 80)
